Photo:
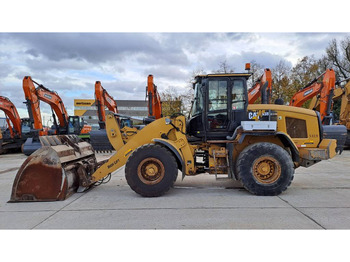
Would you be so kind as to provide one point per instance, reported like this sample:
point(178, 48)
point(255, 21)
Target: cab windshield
point(197, 106)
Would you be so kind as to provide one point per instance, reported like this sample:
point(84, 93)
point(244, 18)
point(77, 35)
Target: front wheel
point(265, 169)
point(151, 170)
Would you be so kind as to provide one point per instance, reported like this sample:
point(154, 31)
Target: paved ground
point(317, 199)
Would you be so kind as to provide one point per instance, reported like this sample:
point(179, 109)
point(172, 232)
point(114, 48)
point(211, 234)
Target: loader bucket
point(31, 145)
point(55, 171)
point(99, 141)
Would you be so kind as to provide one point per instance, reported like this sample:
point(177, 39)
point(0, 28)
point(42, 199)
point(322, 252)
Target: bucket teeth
point(55, 171)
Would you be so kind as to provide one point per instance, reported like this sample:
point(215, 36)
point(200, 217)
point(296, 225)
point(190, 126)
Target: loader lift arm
point(324, 89)
point(11, 113)
point(262, 87)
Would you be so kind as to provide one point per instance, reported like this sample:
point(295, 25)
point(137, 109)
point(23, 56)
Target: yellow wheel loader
point(259, 145)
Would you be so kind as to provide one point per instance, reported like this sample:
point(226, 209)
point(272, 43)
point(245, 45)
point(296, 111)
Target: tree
point(171, 102)
point(256, 70)
point(280, 81)
point(338, 54)
point(307, 69)
point(224, 68)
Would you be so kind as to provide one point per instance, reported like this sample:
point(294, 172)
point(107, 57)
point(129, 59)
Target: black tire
point(265, 169)
point(151, 170)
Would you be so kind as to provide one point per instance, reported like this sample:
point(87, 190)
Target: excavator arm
point(55, 102)
point(103, 99)
point(324, 89)
point(262, 87)
point(33, 97)
point(33, 104)
point(154, 102)
point(12, 116)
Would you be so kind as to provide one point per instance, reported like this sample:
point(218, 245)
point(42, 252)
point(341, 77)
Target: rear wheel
point(265, 169)
point(151, 170)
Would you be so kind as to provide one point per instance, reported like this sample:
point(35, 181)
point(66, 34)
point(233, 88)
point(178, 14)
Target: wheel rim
point(266, 170)
point(150, 171)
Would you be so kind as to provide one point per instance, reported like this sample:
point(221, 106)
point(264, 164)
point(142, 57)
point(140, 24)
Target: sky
point(70, 63)
point(68, 49)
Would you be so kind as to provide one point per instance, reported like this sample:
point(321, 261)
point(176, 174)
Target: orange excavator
point(18, 130)
point(34, 93)
point(322, 92)
point(263, 88)
point(98, 138)
point(342, 93)
point(12, 116)
point(103, 100)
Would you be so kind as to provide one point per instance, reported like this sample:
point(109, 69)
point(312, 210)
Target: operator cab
point(26, 126)
point(75, 124)
point(220, 104)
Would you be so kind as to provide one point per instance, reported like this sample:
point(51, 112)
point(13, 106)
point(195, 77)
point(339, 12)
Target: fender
point(172, 147)
point(285, 139)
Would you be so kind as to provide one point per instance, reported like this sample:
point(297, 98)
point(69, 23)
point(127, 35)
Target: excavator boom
point(154, 102)
point(262, 88)
point(103, 99)
point(33, 104)
point(98, 138)
point(55, 102)
point(324, 89)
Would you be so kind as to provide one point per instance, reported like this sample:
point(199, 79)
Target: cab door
point(238, 98)
point(217, 106)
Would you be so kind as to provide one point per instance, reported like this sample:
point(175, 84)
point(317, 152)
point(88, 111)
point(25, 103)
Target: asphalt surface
point(318, 198)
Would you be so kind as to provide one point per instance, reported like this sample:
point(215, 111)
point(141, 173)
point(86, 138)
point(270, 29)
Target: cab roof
point(247, 75)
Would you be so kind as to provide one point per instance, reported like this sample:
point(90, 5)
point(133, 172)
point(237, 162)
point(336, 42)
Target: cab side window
point(237, 95)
